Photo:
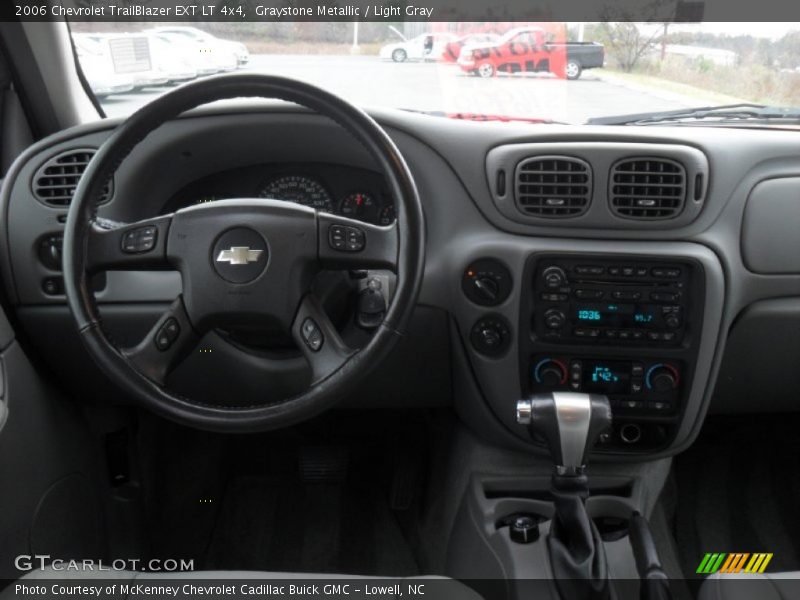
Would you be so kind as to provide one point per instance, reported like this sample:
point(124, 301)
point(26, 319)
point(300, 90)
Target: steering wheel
point(242, 261)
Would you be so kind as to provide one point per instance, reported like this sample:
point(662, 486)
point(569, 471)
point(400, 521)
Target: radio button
point(641, 271)
point(637, 370)
point(628, 271)
point(553, 297)
point(654, 336)
point(637, 334)
point(626, 295)
point(589, 270)
point(624, 334)
point(668, 272)
point(636, 387)
point(613, 270)
point(554, 319)
point(664, 296)
point(589, 294)
point(611, 333)
point(668, 336)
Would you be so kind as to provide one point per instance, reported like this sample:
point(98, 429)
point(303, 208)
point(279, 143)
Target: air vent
point(56, 180)
point(647, 188)
point(553, 186)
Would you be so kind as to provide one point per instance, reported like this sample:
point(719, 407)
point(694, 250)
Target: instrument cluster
point(337, 189)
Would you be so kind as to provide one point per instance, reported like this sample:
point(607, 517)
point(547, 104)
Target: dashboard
point(557, 258)
point(334, 188)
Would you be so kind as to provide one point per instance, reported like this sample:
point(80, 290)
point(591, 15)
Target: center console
point(619, 326)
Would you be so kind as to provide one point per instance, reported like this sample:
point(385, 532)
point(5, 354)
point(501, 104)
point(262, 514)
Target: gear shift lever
point(571, 423)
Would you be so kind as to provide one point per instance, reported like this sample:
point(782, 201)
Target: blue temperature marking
point(604, 374)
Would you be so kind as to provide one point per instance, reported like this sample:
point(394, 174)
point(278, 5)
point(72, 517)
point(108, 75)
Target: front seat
point(441, 588)
point(769, 586)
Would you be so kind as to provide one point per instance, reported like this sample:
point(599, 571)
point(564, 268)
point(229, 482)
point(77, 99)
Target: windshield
point(538, 72)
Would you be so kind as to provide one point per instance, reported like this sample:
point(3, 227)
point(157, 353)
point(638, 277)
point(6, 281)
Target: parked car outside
point(99, 69)
point(452, 50)
point(528, 49)
point(202, 61)
point(426, 46)
point(174, 64)
point(220, 47)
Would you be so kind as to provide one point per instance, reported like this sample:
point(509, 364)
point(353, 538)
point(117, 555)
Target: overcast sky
point(770, 30)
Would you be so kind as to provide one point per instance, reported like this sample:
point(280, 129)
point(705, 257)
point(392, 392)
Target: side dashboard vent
point(647, 188)
point(553, 186)
point(55, 181)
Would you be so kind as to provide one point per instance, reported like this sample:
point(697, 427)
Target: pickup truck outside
point(528, 49)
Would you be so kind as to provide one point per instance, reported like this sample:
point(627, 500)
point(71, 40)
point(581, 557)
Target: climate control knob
point(554, 319)
point(550, 372)
point(662, 378)
point(554, 277)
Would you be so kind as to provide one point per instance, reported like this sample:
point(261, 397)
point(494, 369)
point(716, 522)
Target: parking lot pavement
point(368, 81)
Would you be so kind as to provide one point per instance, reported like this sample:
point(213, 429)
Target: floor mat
point(738, 491)
point(280, 523)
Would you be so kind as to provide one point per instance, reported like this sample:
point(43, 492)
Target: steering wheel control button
point(346, 238)
point(240, 255)
point(167, 334)
point(140, 240)
point(312, 335)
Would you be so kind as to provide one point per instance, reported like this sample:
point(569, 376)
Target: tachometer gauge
point(359, 205)
point(300, 189)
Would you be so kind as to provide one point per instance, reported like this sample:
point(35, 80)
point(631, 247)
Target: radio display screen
point(617, 315)
point(606, 377)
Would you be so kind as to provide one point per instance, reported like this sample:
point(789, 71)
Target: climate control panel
point(634, 386)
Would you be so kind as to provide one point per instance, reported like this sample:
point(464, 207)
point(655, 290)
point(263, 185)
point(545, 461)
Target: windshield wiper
point(726, 113)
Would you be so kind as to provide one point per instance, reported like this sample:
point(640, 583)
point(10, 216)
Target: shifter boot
point(576, 550)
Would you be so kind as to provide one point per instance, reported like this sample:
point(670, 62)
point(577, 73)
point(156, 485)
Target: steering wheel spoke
point(165, 345)
point(128, 247)
point(347, 243)
point(318, 339)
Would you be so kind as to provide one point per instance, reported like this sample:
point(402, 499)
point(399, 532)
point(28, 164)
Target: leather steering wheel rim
point(82, 220)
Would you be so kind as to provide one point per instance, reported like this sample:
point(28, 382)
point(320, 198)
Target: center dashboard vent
point(553, 186)
point(647, 188)
point(55, 181)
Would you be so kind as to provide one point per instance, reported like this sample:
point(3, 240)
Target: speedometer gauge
point(300, 189)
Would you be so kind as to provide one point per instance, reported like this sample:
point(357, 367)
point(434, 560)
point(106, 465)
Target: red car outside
point(453, 50)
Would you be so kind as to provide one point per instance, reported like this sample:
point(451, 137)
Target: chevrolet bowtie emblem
point(239, 255)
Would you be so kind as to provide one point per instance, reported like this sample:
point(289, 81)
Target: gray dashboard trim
point(771, 227)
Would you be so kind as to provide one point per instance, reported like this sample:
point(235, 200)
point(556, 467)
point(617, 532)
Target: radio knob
point(662, 378)
point(554, 277)
point(554, 319)
point(672, 320)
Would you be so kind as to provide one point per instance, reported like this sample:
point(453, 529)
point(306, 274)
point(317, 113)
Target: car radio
point(619, 302)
